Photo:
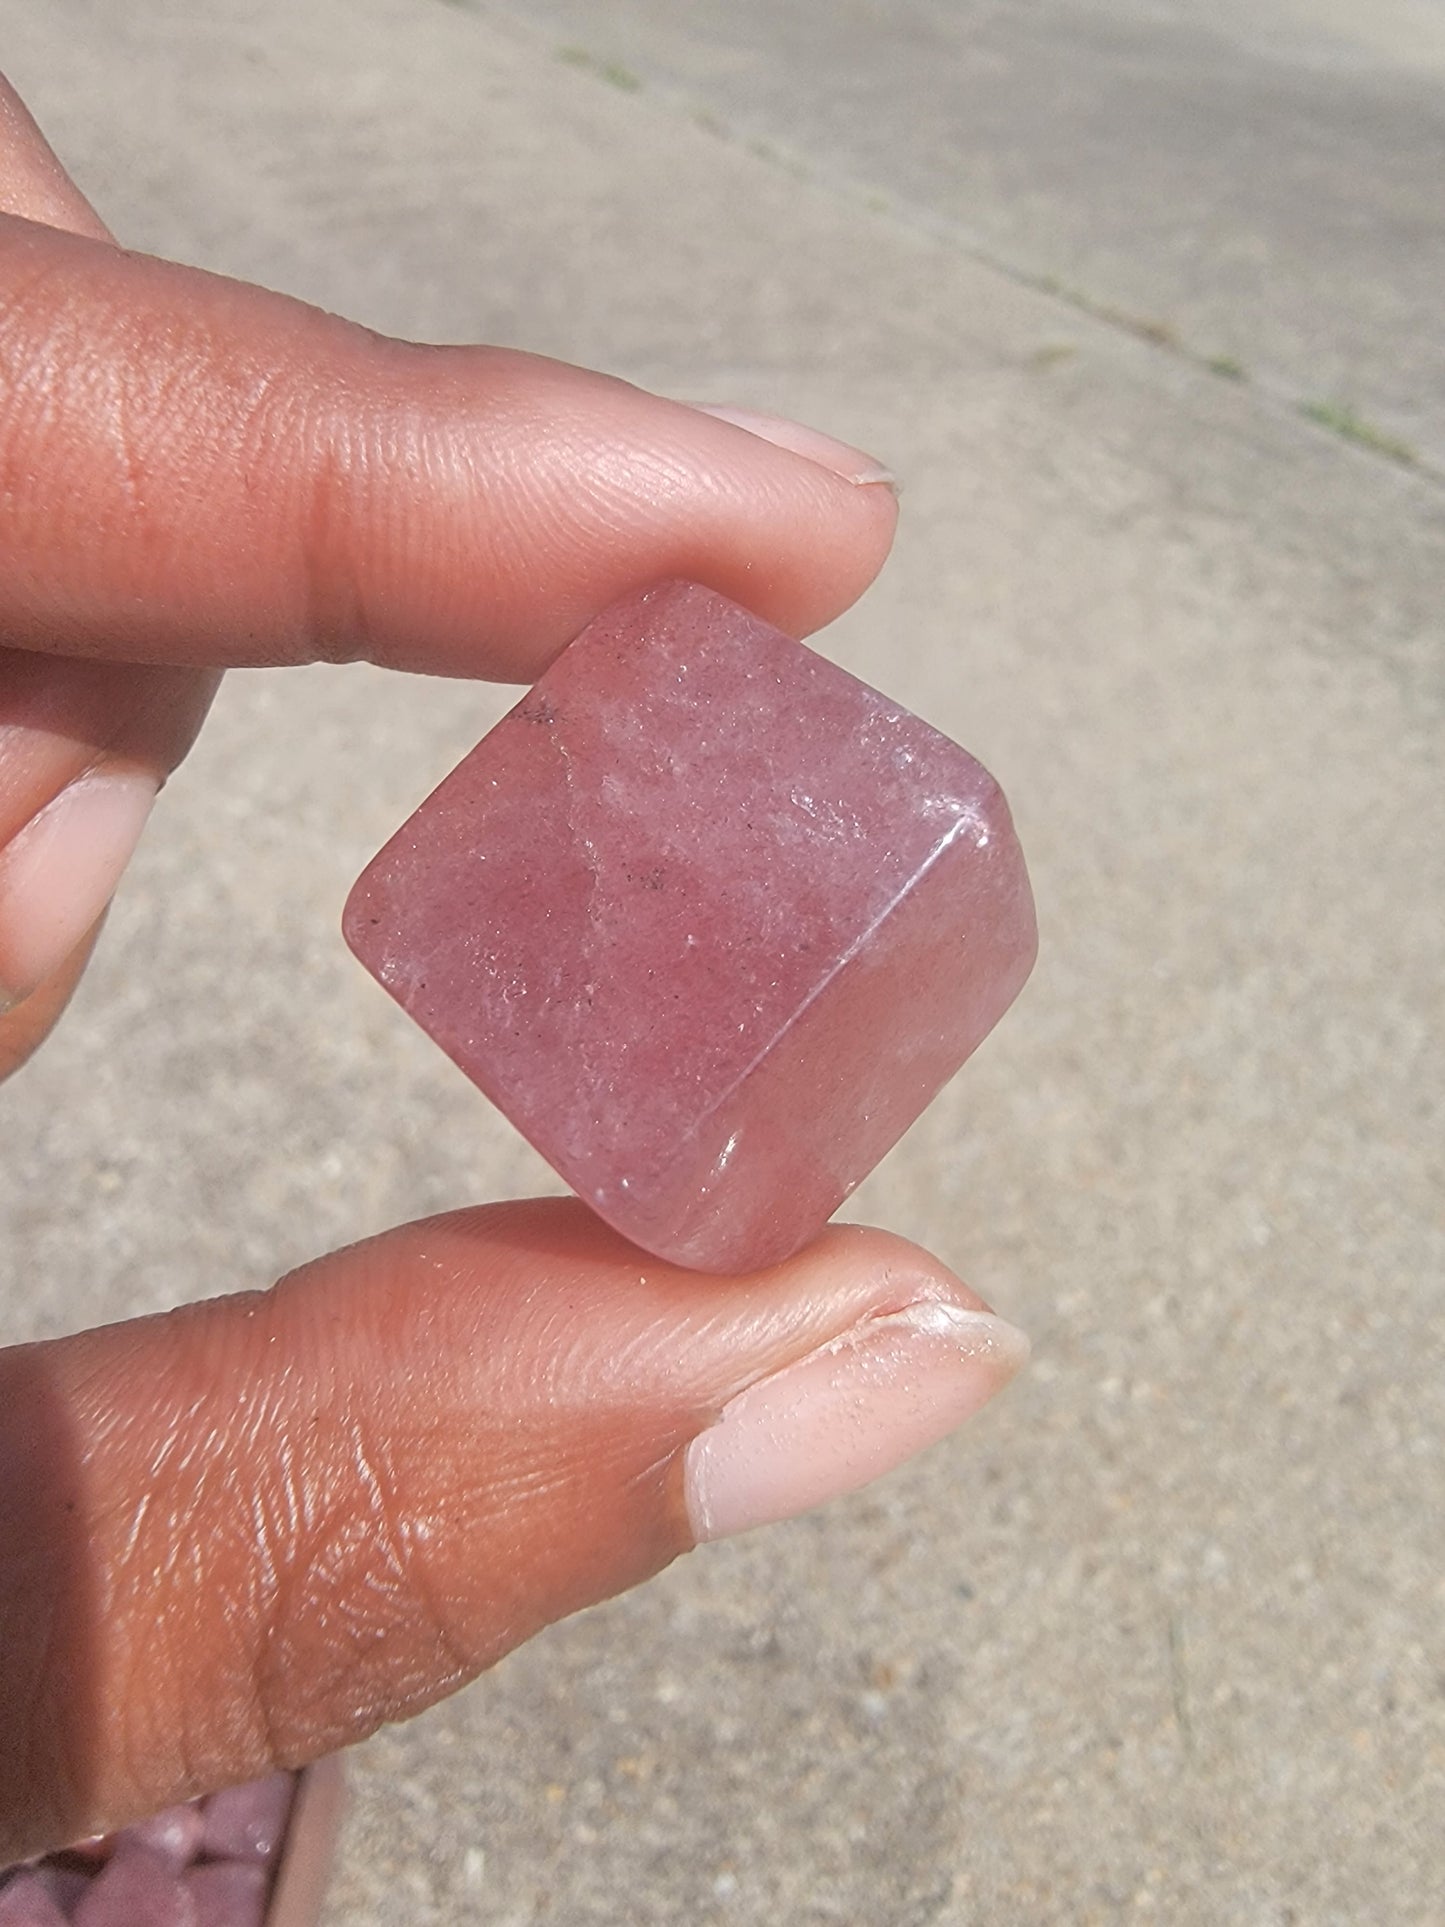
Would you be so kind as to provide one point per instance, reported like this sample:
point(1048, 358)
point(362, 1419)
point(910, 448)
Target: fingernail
point(845, 1414)
point(60, 871)
point(851, 463)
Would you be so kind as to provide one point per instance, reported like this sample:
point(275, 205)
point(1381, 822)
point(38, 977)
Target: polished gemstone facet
point(710, 920)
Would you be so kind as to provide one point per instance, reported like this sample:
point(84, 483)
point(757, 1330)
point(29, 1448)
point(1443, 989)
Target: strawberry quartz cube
point(709, 919)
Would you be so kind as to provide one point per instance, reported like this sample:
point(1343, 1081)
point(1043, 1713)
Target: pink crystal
point(26, 1900)
point(229, 1893)
point(174, 1834)
point(64, 1882)
point(136, 1887)
point(248, 1822)
point(66, 1885)
point(710, 920)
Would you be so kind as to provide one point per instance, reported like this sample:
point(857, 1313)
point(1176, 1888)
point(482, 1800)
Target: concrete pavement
point(1257, 182)
point(1159, 1635)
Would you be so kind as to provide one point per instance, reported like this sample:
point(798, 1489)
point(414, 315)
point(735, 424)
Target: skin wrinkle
point(261, 1543)
point(332, 598)
point(382, 450)
point(345, 1563)
point(180, 1544)
point(140, 1513)
point(130, 418)
point(308, 1558)
point(266, 1576)
point(144, 1709)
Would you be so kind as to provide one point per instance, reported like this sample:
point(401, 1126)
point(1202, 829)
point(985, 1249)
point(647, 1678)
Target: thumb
point(248, 1532)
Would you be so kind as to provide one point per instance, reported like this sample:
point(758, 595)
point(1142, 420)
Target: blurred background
point(1143, 301)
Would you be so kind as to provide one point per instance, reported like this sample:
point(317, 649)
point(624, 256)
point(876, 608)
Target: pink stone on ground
point(136, 1889)
point(710, 920)
point(248, 1822)
point(229, 1893)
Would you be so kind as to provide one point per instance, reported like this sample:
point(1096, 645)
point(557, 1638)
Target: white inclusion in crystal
point(965, 815)
point(981, 840)
point(724, 1157)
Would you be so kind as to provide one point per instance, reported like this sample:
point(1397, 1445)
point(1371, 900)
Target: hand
point(249, 1531)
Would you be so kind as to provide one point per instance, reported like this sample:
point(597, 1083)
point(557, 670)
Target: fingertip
point(416, 1453)
point(851, 464)
point(59, 873)
point(846, 1413)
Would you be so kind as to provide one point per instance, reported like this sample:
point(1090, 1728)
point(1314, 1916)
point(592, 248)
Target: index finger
point(193, 470)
